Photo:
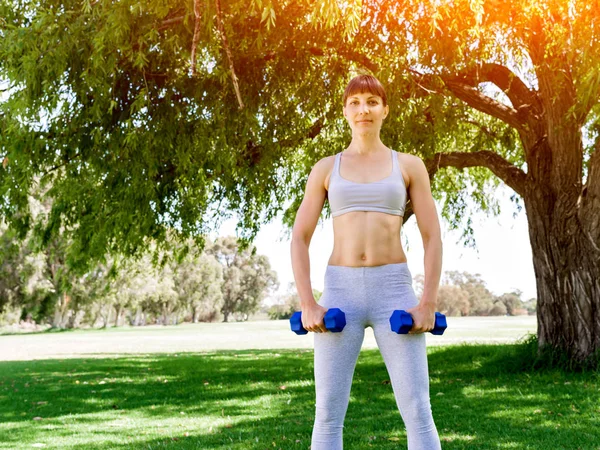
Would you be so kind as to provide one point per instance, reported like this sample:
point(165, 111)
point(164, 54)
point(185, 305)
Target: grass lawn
point(264, 399)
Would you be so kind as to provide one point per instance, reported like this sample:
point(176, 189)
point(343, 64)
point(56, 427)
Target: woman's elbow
point(432, 236)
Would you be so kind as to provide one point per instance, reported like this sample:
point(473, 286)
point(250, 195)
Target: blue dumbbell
point(402, 322)
point(335, 321)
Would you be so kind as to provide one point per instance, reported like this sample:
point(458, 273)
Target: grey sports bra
point(387, 195)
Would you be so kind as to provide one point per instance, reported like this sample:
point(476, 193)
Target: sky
point(502, 257)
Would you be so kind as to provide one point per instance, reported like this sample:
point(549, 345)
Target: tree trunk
point(136, 320)
point(107, 317)
point(165, 314)
point(96, 318)
point(567, 272)
point(60, 311)
point(57, 319)
point(141, 319)
point(118, 321)
point(72, 319)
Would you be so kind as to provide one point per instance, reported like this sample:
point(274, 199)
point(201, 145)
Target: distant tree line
point(465, 294)
point(460, 294)
point(39, 285)
point(220, 283)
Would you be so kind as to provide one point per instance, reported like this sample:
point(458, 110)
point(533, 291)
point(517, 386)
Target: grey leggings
point(368, 296)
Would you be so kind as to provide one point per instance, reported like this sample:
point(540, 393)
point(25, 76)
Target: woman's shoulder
point(325, 168)
point(408, 158)
point(412, 166)
point(325, 164)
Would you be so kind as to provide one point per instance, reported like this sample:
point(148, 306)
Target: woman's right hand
point(312, 318)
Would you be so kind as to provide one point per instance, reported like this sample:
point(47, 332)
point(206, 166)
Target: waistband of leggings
point(392, 267)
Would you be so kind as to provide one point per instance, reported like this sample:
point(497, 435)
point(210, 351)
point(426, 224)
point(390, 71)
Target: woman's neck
point(366, 145)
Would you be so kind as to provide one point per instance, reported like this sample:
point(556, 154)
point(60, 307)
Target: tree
point(198, 280)
point(499, 309)
point(12, 264)
point(121, 285)
point(530, 305)
point(505, 90)
point(289, 303)
point(247, 278)
point(481, 300)
point(453, 301)
point(511, 301)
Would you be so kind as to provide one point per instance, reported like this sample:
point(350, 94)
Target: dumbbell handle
point(402, 321)
point(334, 320)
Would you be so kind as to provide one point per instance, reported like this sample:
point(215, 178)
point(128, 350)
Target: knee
point(329, 417)
point(418, 413)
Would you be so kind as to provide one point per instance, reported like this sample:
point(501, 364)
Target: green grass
point(264, 399)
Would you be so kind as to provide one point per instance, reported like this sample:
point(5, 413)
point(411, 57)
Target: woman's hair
point(365, 83)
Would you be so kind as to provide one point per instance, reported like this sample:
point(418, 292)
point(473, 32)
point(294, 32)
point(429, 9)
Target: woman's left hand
point(423, 319)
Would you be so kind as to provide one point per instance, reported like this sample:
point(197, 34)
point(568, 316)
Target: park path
point(204, 337)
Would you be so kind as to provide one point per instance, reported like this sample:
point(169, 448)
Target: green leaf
point(265, 14)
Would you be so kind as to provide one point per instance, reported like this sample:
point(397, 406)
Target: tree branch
point(65, 162)
point(507, 172)
point(359, 58)
point(174, 17)
point(526, 106)
point(313, 132)
point(228, 51)
point(483, 128)
point(254, 151)
point(426, 83)
point(518, 93)
point(196, 38)
point(511, 175)
point(168, 22)
point(474, 98)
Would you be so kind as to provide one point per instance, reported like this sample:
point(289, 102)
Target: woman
point(367, 276)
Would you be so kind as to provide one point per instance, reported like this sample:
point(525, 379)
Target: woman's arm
point(427, 221)
point(305, 223)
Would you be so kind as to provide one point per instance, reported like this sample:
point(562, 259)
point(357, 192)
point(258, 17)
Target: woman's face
point(365, 112)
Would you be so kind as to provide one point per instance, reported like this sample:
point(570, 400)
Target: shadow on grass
point(54, 330)
point(51, 330)
point(265, 399)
